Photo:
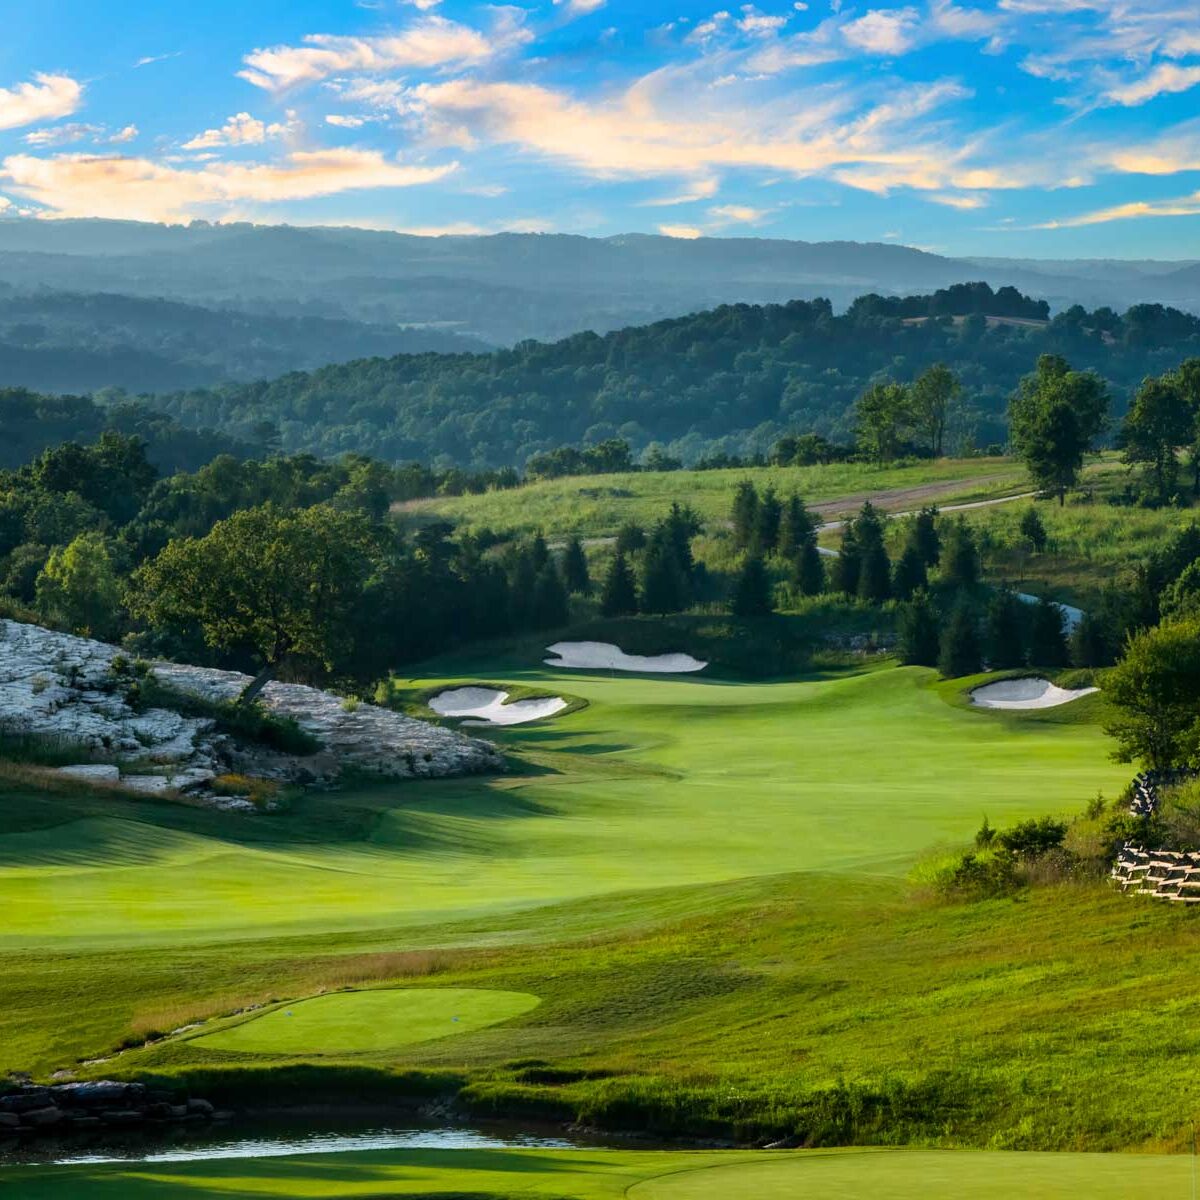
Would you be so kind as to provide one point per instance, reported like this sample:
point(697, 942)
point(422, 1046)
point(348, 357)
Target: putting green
point(379, 1019)
point(637, 1175)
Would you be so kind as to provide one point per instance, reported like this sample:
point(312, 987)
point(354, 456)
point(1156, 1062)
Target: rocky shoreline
point(32, 1110)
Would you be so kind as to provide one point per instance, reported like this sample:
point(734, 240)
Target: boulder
point(42, 1118)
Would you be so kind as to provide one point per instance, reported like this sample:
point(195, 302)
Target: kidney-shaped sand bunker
point(378, 1019)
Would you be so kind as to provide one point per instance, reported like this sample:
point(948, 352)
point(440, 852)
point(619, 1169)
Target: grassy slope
point(597, 505)
point(606, 1175)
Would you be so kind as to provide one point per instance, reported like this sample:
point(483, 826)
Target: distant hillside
point(509, 287)
point(729, 380)
point(76, 342)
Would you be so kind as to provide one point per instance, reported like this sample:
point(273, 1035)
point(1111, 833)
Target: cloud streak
point(47, 98)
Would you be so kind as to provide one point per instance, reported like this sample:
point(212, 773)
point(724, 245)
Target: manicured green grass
point(608, 1174)
point(658, 782)
point(597, 505)
point(367, 1021)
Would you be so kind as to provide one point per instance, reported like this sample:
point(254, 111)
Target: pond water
point(273, 1137)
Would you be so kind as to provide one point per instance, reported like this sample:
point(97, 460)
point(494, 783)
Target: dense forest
point(731, 380)
point(77, 342)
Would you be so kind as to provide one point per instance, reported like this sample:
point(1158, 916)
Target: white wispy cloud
point(156, 58)
point(1184, 206)
point(47, 98)
point(82, 185)
point(579, 8)
point(687, 232)
point(1164, 79)
point(697, 189)
point(431, 43)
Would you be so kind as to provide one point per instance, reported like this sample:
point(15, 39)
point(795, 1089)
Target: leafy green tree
point(1005, 634)
point(1188, 381)
point(767, 524)
point(1158, 423)
point(618, 597)
point(752, 590)
point(882, 419)
point(1032, 529)
point(959, 653)
point(808, 575)
point(284, 583)
point(796, 528)
point(575, 569)
point(550, 606)
point(18, 578)
point(932, 398)
point(1055, 417)
point(78, 587)
point(910, 575)
point(744, 515)
point(1047, 635)
point(1182, 597)
point(920, 631)
point(960, 558)
point(926, 536)
point(1155, 690)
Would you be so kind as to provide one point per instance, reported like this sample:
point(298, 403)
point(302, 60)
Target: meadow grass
point(598, 505)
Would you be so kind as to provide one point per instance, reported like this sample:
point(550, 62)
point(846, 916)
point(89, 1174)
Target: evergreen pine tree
point(926, 536)
point(631, 538)
point(575, 569)
point(809, 573)
point(662, 584)
point(523, 579)
point(910, 575)
point(960, 561)
point(796, 529)
point(539, 551)
point(920, 631)
point(618, 598)
point(874, 571)
point(550, 607)
point(752, 591)
point(744, 515)
point(770, 517)
point(959, 653)
point(1033, 530)
point(875, 574)
point(1005, 631)
point(1089, 643)
point(846, 566)
point(1047, 639)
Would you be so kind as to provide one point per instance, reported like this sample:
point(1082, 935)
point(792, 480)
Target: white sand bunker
point(1026, 693)
point(606, 657)
point(487, 706)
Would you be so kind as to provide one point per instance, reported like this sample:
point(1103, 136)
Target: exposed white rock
point(1026, 693)
point(491, 707)
point(606, 657)
point(96, 772)
point(56, 686)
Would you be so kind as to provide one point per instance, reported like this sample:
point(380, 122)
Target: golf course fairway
point(360, 1022)
point(857, 773)
point(637, 1175)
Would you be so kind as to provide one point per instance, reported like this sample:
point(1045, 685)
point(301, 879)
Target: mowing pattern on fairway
point(637, 1175)
point(361, 1022)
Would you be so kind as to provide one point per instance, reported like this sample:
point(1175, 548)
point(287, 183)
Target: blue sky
point(1048, 128)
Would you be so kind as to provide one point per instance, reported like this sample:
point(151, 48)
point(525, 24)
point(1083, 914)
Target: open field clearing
point(597, 505)
point(601, 1175)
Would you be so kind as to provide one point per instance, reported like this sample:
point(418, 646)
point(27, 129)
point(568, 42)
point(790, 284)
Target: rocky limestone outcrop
point(79, 692)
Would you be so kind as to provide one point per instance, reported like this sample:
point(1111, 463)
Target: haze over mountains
point(294, 298)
